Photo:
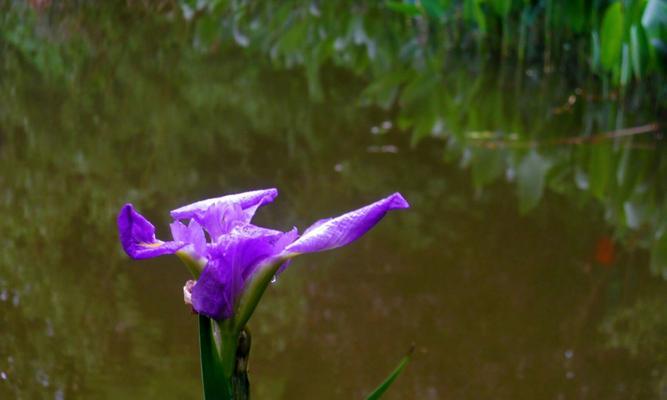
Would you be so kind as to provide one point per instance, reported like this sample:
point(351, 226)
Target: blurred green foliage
point(619, 40)
point(415, 59)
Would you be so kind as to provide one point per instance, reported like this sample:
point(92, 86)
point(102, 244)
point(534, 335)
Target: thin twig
point(637, 130)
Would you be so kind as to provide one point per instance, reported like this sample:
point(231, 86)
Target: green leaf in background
point(595, 50)
point(502, 7)
point(575, 14)
point(611, 36)
point(379, 391)
point(626, 66)
point(384, 89)
point(408, 9)
point(207, 30)
point(655, 14)
point(472, 11)
point(531, 176)
point(638, 50)
point(434, 8)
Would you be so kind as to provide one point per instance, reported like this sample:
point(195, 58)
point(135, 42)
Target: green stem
point(240, 382)
point(227, 352)
point(254, 291)
point(193, 265)
point(224, 360)
point(215, 385)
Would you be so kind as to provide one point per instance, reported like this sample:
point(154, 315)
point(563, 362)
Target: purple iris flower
point(235, 248)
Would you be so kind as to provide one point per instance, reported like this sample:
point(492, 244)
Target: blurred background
point(527, 135)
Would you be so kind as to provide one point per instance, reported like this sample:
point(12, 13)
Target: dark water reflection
point(500, 303)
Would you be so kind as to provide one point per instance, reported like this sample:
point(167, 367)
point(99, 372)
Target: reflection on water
point(495, 273)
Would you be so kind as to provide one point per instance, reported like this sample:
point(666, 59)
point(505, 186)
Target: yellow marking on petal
point(151, 245)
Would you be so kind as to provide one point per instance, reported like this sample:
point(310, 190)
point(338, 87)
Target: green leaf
point(611, 36)
point(472, 11)
point(208, 29)
point(434, 8)
point(575, 14)
point(595, 50)
point(626, 67)
point(215, 385)
point(502, 7)
point(638, 50)
point(655, 14)
point(404, 8)
point(379, 391)
point(385, 88)
point(531, 177)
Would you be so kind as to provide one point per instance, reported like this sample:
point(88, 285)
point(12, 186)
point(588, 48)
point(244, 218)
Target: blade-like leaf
point(611, 36)
point(215, 385)
point(655, 14)
point(638, 50)
point(379, 391)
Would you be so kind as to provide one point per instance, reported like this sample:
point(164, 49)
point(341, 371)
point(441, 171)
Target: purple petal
point(137, 236)
point(248, 201)
point(283, 242)
point(340, 231)
point(193, 235)
point(220, 219)
point(213, 294)
point(233, 260)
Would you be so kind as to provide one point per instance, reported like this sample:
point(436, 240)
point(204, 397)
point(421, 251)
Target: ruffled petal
point(340, 231)
point(248, 201)
point(137, 236)
point(221, 218)
point(193, 235)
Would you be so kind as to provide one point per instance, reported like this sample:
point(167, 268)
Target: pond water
point(522, 270)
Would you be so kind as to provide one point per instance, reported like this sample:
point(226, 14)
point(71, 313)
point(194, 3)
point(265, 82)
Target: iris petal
point(342, 230)
point(192, 234)
point(137, 236)
point(248, 201)
point(233, 260)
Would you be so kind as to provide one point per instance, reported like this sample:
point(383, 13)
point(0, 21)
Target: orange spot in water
point(605, 251)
